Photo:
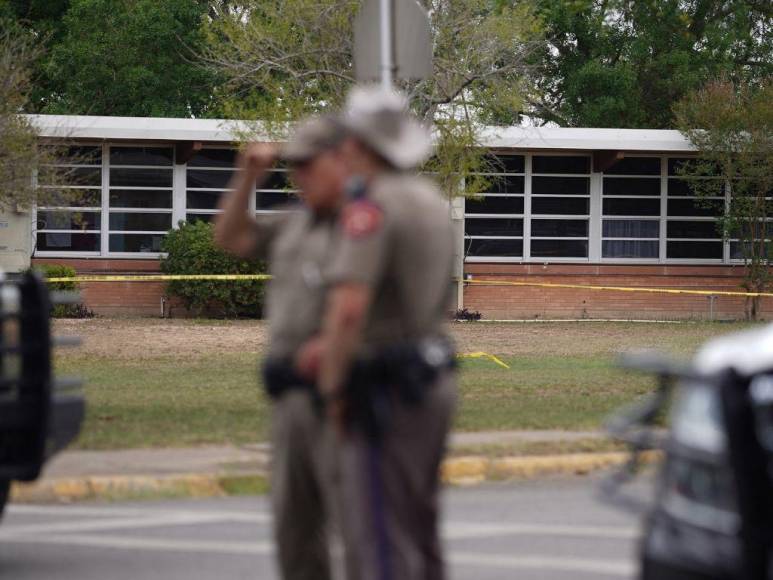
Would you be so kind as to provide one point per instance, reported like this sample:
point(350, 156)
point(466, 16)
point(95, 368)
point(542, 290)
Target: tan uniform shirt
point(398, 240)
point(300, 247)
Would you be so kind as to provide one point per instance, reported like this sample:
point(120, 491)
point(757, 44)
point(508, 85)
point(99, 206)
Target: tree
point(22, 156)
point(625, 63)
point(284, 60)
point(18, 144)
point(128, 57)
point(731, 126)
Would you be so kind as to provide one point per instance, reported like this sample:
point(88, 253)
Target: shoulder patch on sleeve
point(362, 218)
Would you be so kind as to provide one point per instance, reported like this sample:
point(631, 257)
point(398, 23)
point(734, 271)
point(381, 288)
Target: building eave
point(82, 127)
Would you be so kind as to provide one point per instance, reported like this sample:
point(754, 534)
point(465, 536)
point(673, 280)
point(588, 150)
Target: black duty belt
point(403, 373)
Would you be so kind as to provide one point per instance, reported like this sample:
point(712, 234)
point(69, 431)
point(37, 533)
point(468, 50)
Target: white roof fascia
point(224, 131)
point(585, 139)
point(140, 128)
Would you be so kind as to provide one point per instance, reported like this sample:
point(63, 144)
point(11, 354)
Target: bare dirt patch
point(146, 339)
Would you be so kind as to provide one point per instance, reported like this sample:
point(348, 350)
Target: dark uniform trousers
point(301, 488)
point(389, 492)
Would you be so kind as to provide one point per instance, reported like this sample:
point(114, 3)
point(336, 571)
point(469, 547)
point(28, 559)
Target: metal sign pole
point(387, 42)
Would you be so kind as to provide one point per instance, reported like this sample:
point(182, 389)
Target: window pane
point(631, 206)
point(505, 163)
point(706, 187)
point(635, 166)
point(505, 184)
point(559, 248)
point(560, 205)
point(141, 177)
point(493, 227)
point(75, 176)
point(79, 155)
point(213, 158)
point(621, 186)
point(200, 217)
point(494, 205)
point(560, 186)
point(697, 250)
point(153, 222)
point(630, 229)
point(736, 250)
point(559, 164)
point(66, 220)
point(136, 242)
point(494, 248)
point(72, 198)
point(696, 207)
point(208, 178)
point(687, 166)
point(202, 199)
point(141, 156)
point(279, 180)
point(140, 198)
point(629, 249)
point(685, 229)
point(559, 228)
point(276, 199)
point(68, 243)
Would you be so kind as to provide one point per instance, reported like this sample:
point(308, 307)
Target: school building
point(599, 207)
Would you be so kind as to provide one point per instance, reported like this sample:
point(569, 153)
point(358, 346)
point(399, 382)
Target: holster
point(401, 373)
point(280, 376)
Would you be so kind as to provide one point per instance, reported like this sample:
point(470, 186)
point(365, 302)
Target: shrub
point(467, 315)
point(63, 310)
point(191, 249)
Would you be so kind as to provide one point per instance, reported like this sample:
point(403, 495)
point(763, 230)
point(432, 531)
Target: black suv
point(38, 415)
point(713, 514)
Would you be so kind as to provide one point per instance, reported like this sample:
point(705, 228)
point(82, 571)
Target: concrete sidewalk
point(251, 458)
point(206, 471)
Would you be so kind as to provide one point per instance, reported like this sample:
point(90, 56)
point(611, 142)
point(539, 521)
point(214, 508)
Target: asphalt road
point(537, 530)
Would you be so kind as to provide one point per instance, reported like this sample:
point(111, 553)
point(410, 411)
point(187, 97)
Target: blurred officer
point(386, 372)
point(300, 246)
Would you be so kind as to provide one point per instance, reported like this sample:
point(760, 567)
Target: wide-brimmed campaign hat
point(312, 137)
point(381, 120)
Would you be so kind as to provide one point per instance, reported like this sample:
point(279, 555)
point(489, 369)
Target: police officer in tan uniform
point(300, 245)
point(386, 373)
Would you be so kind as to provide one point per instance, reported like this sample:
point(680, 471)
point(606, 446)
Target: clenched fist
point(258, 157)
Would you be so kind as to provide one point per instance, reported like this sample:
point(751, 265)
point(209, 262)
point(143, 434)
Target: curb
point(457, 471)
point(124, 487)
point(474, 469)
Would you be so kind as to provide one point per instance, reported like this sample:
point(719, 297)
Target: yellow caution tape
point(618, 288)
point(233, 277)
point(161, 278)
point(491, 357)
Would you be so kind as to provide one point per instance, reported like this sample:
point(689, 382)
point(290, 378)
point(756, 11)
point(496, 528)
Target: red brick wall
point(503, 302)
point(495, 302)
point(116, 298)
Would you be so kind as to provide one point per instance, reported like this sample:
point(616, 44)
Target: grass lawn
point(180, 383)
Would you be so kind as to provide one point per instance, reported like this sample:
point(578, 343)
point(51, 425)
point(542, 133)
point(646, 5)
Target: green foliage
point(63, 310)
point(118, 57)
point(191, 250)
point(731, 125)
point(624, 63)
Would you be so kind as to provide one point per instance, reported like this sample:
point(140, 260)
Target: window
point(630, 209)
point(691, 230)
point(207, 176)
point(560, 206)
point(493, 225)
point(74, 223)
point(276, 191)
point(140, 198)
